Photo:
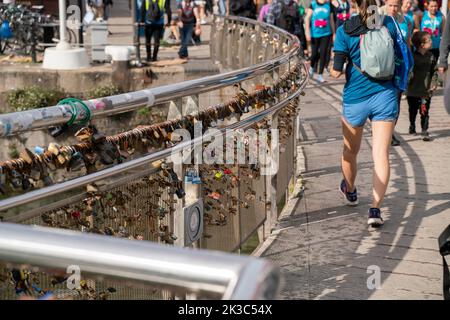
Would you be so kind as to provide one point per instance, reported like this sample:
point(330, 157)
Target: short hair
point(437, 1)
point(418, 38)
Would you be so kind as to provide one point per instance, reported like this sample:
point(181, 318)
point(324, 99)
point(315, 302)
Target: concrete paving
point(326, 250)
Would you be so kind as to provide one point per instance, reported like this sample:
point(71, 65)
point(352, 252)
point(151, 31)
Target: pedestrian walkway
point(325, 249)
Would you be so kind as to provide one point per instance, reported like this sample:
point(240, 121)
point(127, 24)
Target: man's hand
point(180, 24)
point(335, 74)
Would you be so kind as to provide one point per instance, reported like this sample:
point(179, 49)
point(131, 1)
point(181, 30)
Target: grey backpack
point(377, 54)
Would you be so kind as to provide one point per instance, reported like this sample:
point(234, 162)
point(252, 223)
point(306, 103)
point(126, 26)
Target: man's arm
point(444, 49)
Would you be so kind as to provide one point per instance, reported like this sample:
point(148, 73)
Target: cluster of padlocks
point(142, 209)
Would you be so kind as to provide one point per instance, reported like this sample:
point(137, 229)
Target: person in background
point(188, 18)
point(222, 7)
point(392, 8)
point(341, 11)
point(107, 4)
point(444, 50)
point(242, 8)
point(406, 20)
point(264, 10)
point(97, 8)
point(433, 22)
point(153, 16)
point(285, 14)
point(422, 83)
point(201, 8)
point(319, 24)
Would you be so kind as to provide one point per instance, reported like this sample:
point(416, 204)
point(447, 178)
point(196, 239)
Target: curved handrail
point(153, 157)
point(142, 262)
point(18, 122)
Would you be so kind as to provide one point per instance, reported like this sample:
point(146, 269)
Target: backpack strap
point(396, 25)
point(354, 64)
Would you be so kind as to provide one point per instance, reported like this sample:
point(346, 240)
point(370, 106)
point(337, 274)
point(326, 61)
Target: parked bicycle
point(27, 31)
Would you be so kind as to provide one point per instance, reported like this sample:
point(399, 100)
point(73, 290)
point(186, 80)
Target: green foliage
point(103, 91)
point(36, 97)
point(144, 112)
point(33, 97)
point(13, 152)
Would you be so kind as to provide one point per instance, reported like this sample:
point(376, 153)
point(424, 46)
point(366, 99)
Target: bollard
point(121, 65)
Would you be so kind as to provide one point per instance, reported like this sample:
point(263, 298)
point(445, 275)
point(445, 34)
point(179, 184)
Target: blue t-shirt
point(359, 87)
point(320, 19)
point(406, 26)
point(433, 27)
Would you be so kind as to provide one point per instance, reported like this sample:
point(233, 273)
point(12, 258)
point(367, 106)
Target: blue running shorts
point(382, 106)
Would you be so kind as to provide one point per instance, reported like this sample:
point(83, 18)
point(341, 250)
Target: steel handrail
point(139, 262)
point(135, 163)
point(18, 122)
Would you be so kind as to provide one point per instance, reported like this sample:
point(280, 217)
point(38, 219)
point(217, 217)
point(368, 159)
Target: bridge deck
point(325, 248)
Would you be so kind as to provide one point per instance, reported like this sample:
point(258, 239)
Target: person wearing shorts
point(200, 4)
point(364, 99)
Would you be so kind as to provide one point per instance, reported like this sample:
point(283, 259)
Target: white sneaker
point(320, 79)
point(203, 21)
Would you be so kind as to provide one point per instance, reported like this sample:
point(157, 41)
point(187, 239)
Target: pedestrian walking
point(433, 22)
point(369, 93)
point(153, 16)
point(422, 83)
point(319, 25)
point(107, 4)
point(406, 20)
point(201, 5)
point(188, 19)
point(393, 9)
point(341, 10)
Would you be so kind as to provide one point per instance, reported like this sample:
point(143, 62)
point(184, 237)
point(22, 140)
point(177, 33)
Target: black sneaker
point(351, 198)
point(412, 130)
point(426, 136)
point(375, 219)
point(395, 142)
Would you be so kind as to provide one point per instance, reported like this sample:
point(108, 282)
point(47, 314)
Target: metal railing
point(261, 53)
point(17, 122)
point(213, 274)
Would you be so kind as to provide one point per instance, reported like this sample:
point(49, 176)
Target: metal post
point(80, 30)
point(62, 45)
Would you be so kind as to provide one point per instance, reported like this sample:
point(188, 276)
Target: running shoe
point(426, 136)
point(375, 220)
point(351, 198)
point(395, 142)
point(412, 130)
point(320, 79)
